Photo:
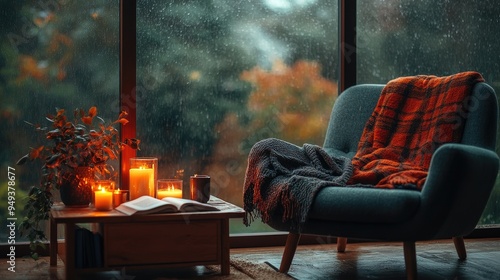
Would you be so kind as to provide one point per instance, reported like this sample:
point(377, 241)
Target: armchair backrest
point(354, 106)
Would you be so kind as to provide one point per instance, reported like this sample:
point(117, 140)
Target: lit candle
point(119, 197)
point(103, 200)
point(141, 182)
point(169, 193)
point(101, 184)
point(169, 188)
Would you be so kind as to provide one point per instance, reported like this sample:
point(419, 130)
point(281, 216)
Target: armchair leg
point(460, 247)
point(341, 244)
point(410, 260)
point(291, 246)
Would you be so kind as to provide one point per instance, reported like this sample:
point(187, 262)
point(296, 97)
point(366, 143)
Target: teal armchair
point(460, 179)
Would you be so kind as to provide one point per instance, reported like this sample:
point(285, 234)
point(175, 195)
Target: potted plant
point(75, 152)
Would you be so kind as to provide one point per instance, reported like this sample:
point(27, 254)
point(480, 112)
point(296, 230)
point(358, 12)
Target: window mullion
point(128, 82)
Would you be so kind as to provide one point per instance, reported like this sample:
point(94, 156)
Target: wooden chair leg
point(410, 260)
point(291, 246)
point(341, 244)
point(460, 247)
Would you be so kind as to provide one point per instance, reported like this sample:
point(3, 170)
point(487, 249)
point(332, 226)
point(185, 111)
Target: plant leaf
point(23, 160)
point(122, 121)
point(87, 120)
point(93, 111)
point(35, 153)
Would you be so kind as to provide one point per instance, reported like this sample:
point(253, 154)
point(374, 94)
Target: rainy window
point(214, 77)
point(53, 54)
point(217, 76)
point(405, 37)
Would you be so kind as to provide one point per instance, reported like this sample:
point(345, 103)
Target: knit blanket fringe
point(282, 180)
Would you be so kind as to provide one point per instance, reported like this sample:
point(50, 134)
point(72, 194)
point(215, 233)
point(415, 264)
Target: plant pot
point(76, 190)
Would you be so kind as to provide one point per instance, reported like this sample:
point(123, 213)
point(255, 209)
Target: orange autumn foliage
point(58, 53)
point(30, 68)
point(290, 103)
point(293, 101)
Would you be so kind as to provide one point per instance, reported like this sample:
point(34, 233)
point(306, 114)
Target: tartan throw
point(413, 117)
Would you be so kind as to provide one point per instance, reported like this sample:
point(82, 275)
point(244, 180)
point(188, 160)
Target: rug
point(27, 269)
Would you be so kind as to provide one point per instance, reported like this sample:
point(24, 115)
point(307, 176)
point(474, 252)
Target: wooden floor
point(435, 260)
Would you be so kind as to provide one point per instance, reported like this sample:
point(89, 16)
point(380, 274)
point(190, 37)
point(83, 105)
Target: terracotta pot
point(76, 191)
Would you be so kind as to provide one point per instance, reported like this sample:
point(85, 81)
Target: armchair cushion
point(364, 205)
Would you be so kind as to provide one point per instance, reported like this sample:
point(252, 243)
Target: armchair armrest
point(458, 187)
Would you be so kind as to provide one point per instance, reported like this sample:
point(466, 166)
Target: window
point(62, 54)
point(214, 77)
point(205, 71)
point(401, 38)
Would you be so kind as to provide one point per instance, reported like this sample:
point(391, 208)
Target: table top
point(90, 215)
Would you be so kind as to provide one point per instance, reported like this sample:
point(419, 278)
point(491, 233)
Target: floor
point(435, 260)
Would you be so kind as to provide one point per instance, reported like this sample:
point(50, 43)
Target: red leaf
point(92, 111)
point(110, 152)
point(35, 153)
point(123, 114)
point(87, 120)
point(122, 121)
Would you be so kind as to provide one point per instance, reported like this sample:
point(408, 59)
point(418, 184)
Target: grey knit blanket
point(282, 180)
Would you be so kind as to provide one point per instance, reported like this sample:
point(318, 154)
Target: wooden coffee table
point(148, 241)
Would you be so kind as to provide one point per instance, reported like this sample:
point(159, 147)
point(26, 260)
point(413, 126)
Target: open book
point(150, 205)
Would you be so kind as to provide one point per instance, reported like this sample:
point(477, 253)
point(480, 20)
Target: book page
point(144, 203)
point(188, 205)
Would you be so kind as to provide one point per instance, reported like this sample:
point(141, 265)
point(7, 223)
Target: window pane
point(404, 37)
point(60, 54)
point(214, 77)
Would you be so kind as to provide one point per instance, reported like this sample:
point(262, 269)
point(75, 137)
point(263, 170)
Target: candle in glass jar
point(141, 182)
point(169, 188)
point(98, 185)
point(169, 193)
point(142, 176)
point(119, 197)
point(103, 200)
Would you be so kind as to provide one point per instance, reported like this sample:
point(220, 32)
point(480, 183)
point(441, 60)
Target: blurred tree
point(292, 103)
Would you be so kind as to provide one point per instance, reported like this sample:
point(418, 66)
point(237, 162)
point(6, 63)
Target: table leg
point(53, 242)
point(225, 264)
point(69, 239)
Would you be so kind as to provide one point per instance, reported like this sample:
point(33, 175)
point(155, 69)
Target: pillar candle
point(103, 200)
point(141, 182)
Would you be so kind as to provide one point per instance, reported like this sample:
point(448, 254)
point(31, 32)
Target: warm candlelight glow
point(141, 182)
point(143, 176)
point(103, 200)
point(119, 197)
point(98, 185)
point(169, 193)
point(169, 188)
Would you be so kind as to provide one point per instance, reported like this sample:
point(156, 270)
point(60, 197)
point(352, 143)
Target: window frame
point(127, 98)
point(347, 19)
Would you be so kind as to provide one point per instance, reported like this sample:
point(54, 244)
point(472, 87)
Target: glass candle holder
point(143, 177)
point(169, 188)
point(119, 197)
point(103, 200)
point(98, 185)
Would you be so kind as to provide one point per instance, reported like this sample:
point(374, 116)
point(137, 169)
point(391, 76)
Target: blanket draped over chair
point(413, 117)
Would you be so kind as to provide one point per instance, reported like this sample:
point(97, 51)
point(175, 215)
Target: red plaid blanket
point(413, 117)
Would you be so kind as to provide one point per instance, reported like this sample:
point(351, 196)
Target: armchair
point(459, 182)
